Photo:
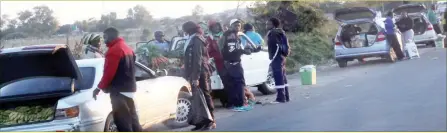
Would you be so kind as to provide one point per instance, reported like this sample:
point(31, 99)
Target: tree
point(197, 13)
point(141, 16)
point(4, 18)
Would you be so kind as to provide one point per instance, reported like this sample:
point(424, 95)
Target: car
point(256, 66)
point(423, 29)
point(48, 76)
point(369, 38)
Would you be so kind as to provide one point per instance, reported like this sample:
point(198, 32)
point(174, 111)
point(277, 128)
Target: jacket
point(119, 68)
point(196, 58)
point(405, 24)
point(278, 45)
point(231, 47)
point(213, 51)
point(389, 26)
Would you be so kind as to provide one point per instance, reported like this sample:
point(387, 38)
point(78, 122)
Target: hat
point(234, 21)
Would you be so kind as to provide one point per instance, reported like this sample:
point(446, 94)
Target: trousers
point(124, 113)
point(204, 84)
point(236, 80)
point(279, 75)
point(394, 43)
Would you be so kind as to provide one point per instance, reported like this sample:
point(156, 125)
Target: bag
point(412, 50)
point(284, 46)
point(199, 112)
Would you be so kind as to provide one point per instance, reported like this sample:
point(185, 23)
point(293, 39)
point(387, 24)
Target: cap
point(234, 21)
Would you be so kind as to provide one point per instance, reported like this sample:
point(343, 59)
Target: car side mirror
point(163, 72)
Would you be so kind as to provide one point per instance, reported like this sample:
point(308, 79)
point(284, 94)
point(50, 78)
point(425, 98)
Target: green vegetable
point(26, 114)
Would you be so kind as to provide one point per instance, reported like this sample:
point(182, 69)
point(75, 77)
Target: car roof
point(30, 48)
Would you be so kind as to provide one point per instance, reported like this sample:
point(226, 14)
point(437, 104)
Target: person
point(197, 70)
point(390, 31)
point(92, 47)
point(216, 32)
point(231, 48)
point(405, 25)
point(161, 42)
point(253, 35)
point(278, 48)
point(433, 18)
point(119, 80)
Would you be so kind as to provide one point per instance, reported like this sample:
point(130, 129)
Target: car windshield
point(88, 78)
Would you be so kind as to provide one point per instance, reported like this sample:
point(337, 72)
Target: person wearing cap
point(161, 42)
point(92, 46)
point(232, 49)
point(119, 80)
point(278, 48)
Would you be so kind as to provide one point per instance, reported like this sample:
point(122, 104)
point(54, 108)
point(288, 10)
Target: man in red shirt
point(119, 80)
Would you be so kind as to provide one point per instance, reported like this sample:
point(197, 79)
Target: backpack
point(284, 45)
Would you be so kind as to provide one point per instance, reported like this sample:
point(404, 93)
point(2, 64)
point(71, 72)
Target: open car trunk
point(32, 80)
point(357, 35)
point(415, 11)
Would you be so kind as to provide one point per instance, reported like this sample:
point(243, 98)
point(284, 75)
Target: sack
point(199, 112)
point(412, 50)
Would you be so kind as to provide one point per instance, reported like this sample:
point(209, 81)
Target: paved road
point(376, 96)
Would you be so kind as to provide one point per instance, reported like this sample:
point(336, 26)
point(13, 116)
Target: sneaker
point(247, 107)
point(238, 109)
point(276, 102)
point(251, 102)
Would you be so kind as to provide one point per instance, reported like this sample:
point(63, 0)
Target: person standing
point(391, 37)
point(433, 18)
point(197, 70)
point(255, 37)
point(405, 25)
point(92, 46)
point(278, 47)
point(232, 50)
point(119, 80)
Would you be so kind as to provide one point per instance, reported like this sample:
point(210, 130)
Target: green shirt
point(432, 17)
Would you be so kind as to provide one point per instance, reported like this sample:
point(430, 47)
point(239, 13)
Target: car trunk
point(31, 82)
point(415, 11)
point(358, 27)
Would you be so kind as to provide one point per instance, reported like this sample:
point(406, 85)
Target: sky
point(68, 12)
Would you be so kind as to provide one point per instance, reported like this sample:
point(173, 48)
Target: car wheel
point(342, 63)
point(391, 57)
point(110, 125)
point(183, 109)
point(268, 87)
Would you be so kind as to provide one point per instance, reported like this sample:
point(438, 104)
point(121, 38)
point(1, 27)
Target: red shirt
point(213, 51)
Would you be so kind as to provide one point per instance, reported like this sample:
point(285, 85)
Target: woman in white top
point(92, 46)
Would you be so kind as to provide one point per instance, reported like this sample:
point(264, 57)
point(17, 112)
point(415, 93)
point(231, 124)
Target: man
point(232, 50)
point(405, 25)
point(119, 80)
point(278, 48)
point(161, 42)
point(391, 35)
point(92, 46)
point(433, 18)
point(249, 30)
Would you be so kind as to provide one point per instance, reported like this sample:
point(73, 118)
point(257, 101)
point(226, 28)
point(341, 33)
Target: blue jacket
point(389, 26)
point(278, 45)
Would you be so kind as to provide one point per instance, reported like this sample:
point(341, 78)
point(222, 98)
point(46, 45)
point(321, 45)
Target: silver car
point(423, 29)
point(361, 34)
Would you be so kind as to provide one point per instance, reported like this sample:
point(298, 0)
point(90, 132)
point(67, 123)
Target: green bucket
point(440, 42)
point(308, 75)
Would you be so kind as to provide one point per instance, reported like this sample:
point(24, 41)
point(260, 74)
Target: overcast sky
point(69, 11)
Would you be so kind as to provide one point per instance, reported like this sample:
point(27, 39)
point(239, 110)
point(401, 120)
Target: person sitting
point(161, 42)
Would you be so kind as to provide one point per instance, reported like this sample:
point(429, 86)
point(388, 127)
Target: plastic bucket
point(308, 75)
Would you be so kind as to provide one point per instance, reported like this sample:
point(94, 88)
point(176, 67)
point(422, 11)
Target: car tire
point(342, 63)
point(183, 108)
point(391, 56)
point(268, 87)
point(110, 125)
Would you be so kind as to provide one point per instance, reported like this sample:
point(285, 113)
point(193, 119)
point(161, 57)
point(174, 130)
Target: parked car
point(423, 29)
point(361, 34)
point(48, 75)
point(256, 68)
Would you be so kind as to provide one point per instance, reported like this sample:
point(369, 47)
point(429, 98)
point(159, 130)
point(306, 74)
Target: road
point(408, 95)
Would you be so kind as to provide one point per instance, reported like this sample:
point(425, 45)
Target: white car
point(423, 29)
point(48, 75)
point(256, 68)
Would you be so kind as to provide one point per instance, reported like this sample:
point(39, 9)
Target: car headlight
point(67, 113)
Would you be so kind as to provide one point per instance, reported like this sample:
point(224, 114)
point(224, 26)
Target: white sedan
point(50, 72)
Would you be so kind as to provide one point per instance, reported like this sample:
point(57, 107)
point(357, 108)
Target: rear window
point(356, 15)
point(88, 78)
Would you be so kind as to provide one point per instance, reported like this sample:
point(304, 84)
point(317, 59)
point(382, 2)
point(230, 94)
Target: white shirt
point(128, 94)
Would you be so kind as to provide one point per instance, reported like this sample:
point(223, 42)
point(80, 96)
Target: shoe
point(276, 102)
point(210, 126)
point(198, 128)
point(251, 102)
point(238, 109)
point(247, 107)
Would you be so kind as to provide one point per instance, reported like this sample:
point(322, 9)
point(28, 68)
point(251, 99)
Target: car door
point(248, 64)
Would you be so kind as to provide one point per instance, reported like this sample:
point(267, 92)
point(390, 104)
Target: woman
point(197, 72)
point(405, 25)
point(92, 48)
